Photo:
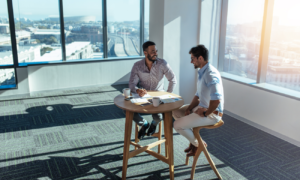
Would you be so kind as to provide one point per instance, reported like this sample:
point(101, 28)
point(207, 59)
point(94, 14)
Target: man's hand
point(187, 112)
point(141, 92)
point(200, 111)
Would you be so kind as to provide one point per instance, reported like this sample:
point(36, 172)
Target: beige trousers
point(184, 124)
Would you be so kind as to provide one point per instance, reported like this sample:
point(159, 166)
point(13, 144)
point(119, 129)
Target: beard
point(152, 58)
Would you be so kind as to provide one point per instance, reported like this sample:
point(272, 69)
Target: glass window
point(243, 36)
point(5, 42)
point(37, 30)
point(284, 52)
point(83, 29)
point(123, 17)
point(147, 18)
point(7, 78)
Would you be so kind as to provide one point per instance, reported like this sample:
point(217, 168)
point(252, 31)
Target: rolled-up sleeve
point(214, 84)
point(171, 78)
point(134, 79)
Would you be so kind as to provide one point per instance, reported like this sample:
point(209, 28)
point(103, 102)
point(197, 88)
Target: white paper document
point(135, 95)
point(139, 100)
point(169, 98)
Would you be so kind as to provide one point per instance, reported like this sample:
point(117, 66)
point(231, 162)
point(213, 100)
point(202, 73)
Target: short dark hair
point(200, 50)
point(147, 44)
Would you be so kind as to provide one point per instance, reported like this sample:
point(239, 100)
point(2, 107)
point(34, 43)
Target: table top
point(127, 105)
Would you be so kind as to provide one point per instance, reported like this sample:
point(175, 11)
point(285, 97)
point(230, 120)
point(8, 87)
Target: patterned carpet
point(78, 134)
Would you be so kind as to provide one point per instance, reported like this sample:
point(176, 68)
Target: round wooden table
point(166, 109)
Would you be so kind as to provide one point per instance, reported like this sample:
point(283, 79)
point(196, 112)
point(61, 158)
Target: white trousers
point(184, 124)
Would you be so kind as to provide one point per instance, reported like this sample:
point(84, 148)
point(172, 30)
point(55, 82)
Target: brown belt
point(218, 113)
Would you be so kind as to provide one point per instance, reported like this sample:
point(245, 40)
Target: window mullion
point(62, 31)
point(222, 39)
point(12, 33)
point(104, 28)
point(265, 41)
point(13, 38)
point(142, 20)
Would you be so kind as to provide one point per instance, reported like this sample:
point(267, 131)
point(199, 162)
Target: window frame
point(263, 52)
point(105, 57)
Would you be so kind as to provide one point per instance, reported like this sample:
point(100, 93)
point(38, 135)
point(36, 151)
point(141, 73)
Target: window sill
point(5, 87)
point(262, 86)
point(79, 61)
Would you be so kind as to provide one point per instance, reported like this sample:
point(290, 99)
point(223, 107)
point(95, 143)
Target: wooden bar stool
point(158, 135)
point(201, 148)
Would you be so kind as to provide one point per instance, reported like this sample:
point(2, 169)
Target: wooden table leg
point(169, 134)
point(127, 139)
point(136, 140)
point(165, 132)
point(159, 137)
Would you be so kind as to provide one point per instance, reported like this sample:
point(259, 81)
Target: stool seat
point(218, 124)
point(201, 148)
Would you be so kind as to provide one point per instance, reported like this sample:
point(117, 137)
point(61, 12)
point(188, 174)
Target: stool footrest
point(144, 148)
point(155, 135)
point(158, 156)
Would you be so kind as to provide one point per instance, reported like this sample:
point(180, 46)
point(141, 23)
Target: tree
point(45, 49)
point(53, 39)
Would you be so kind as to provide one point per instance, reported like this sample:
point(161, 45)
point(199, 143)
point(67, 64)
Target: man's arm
point(134, 79)
point(193, 104)
point(171, 78)
point(213, 83)
point(213, 105)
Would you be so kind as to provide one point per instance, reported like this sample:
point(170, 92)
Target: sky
point(245, 11)
point(117, 10)
point(239, 11)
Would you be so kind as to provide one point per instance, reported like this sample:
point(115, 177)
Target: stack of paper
point(135, 95)
point(139, 100)
point(169, 98)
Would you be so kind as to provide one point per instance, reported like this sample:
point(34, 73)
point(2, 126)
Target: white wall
point(156, 24)
point(51, 77)
point(177, 33)
point(271, 112)
point(63, 76)
point(181, 25)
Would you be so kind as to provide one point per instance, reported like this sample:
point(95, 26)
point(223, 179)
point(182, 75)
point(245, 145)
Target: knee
point(174, 113)
point(176, 125)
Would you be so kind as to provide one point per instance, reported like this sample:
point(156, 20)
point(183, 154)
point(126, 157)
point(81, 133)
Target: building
point(4, 28)
point(43, 34)
point(74, 18)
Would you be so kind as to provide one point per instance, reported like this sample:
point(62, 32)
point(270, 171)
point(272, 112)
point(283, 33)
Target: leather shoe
point(192, 151)
point(189, 148)
point(151, 130)
point(142, 131)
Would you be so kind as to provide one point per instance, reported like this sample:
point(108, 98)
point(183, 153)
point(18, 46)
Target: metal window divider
point(62, 30)
point(104, 29)
point(13, 39)
point(142, 24)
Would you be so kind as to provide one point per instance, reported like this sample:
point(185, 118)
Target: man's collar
point(154, 63)
point(202, 70)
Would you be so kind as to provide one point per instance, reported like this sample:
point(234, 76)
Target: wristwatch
point(204, 113)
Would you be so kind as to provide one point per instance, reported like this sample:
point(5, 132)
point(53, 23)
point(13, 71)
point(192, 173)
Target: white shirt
point(210, 87)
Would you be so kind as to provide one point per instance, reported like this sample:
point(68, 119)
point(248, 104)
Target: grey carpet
point(79, 134)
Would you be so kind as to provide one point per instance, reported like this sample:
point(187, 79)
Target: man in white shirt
point(207, 105)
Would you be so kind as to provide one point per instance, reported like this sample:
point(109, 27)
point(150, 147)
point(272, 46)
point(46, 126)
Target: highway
point(117, 46)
